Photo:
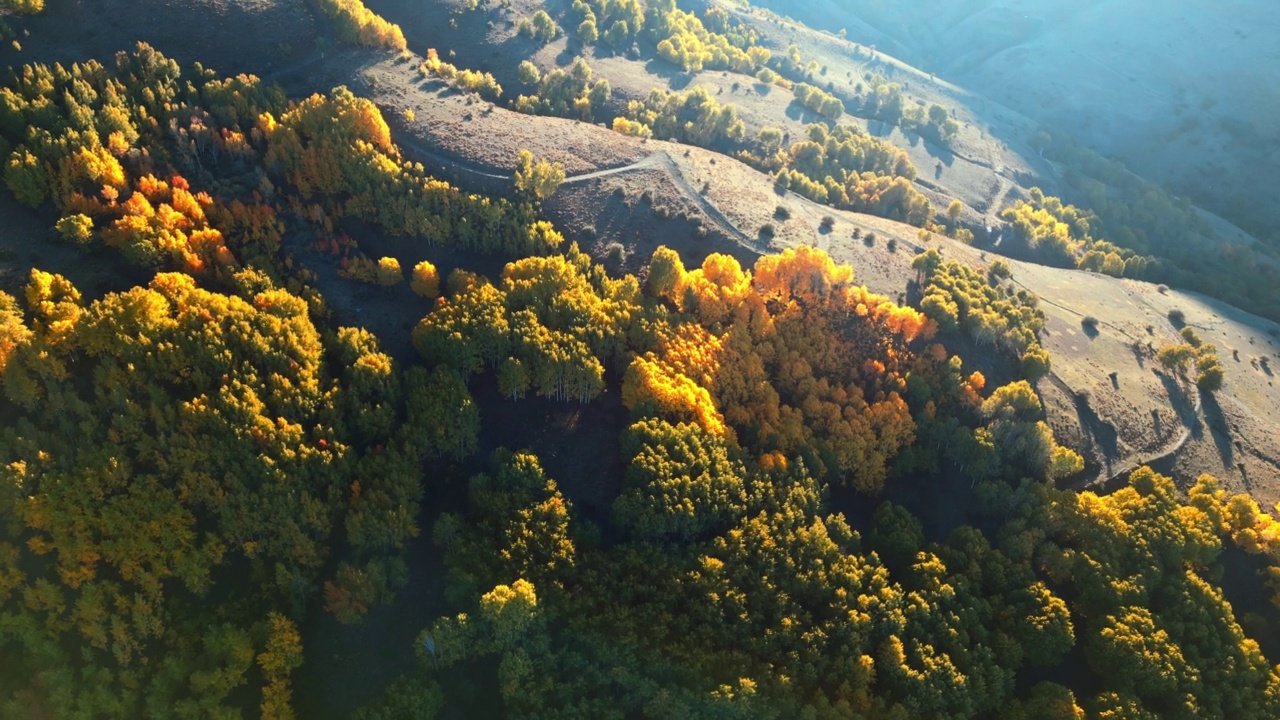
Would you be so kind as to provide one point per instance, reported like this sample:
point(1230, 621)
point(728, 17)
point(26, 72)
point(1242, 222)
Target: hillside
point(712, 366)
point(1163, 91)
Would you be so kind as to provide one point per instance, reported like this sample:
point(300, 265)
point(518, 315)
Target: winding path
point(657, 160)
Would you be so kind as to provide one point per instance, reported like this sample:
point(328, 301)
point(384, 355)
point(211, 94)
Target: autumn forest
point(819, 501)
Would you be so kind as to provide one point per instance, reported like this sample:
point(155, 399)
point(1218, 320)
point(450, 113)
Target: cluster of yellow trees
point(736, 591)
point(563, 93)
point(1193, 350)
point(819, 101)
point(1059, 234)
point(681, 38)
point(213, 460)
point(959, 297)
point(693, 117)
point(551, 326)
point(222, 475)
point(480, 83)
point(846, 168)
point(791, 359)
point(358, 25)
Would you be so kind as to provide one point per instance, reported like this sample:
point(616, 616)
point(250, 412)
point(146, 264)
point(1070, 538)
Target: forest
point(201, 468)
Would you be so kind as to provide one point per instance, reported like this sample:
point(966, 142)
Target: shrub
point(1177, 317)
point(782, 212)
point(767, 231)
point(1090, 322)
point(892, 244)
point(828, 222)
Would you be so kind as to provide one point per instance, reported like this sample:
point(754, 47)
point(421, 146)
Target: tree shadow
point(944, 155)
point(676, 78)
point(800, 113)
point(1182, 406)
point(1218, 428)
point(1138, 355)
point(1100, 432)
point(880, 128)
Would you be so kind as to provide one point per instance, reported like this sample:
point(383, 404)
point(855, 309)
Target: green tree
point(528, 73)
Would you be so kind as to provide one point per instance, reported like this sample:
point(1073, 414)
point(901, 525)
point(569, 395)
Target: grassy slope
point(1179, 93)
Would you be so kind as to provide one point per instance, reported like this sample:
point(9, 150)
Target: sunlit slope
point(1183, 93)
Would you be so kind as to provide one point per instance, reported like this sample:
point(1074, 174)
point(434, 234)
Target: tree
point(537, 180)
point(666, 273)
point(1175, 356)
point(954, 209)
point(544, 28)
point(426, 281)
point(528, 73)
point(389, 272)
point(513, 378)
point(1209, 373)
point(76, 228)
point(1063, 463)
point(1036, 363)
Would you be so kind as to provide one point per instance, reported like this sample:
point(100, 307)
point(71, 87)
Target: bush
point(1177, 317)
point(892, 244)
point(1090, 322)
point(782, 212)
point(767, 231)
point(828, 222)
